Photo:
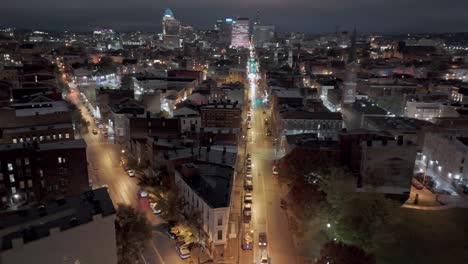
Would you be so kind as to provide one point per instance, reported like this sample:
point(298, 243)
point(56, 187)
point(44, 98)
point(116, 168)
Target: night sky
point(314, 16)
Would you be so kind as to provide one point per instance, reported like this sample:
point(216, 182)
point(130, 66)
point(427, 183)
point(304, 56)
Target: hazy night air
point(308, 16)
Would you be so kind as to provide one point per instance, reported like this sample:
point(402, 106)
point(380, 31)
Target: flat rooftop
point(66, 144)
point(368, 108)
point(36, 222)
point(311, 115)
point(213, 183)
point(397, 123)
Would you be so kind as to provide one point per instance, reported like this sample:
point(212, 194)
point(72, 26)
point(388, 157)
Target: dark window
point(220, 234)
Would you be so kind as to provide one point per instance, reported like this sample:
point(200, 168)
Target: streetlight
point(328, 225)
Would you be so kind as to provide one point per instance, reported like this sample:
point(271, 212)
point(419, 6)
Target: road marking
point(157, 253)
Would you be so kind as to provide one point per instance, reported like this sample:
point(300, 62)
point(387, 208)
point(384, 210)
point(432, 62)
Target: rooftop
point(67, 144)
point(386, 123)
point(311, 115)
point(215, 155)
point(291, 93)
point(368, 108)
point(36, 223)
point(211, 182)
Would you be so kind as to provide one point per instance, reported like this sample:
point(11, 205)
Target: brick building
point(33, 172)
point(221, 115)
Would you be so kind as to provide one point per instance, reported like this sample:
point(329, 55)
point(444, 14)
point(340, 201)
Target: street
point(104, 169)
point(267, 215)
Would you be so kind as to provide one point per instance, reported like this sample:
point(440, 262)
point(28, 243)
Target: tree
point(339, 253)
point(133, 232)
point(78, 119)
point(127, 82)
point(106, 66)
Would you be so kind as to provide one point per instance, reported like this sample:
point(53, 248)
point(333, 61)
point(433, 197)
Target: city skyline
point(316, 19)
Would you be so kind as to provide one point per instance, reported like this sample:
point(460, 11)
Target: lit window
point(48, 137)
point(54, 136)
point(21, 140)
point(41, 173)
point(10, 167)
point(13, 190)
point(41, 138)
point(21, 184)
point(30, 184)
point(67, 135)
point(60, 136)
point(26, 161)
point(15, 141)
point(59, 160)
point(12, 178)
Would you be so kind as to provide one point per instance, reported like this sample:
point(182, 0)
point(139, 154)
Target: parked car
point(248, 198)
point(275, 170)
point(105, 134)
point(264, 259)
point(168, 231)
point(95, 131)
point(262, 239)
point(156, 209)
point(142, 193)
point(248, 184)
point(247, 241)
point(247, 216)
point(101, 127)
point(131, 173)
point(183, 251)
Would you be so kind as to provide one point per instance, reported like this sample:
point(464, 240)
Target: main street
point(267, 215)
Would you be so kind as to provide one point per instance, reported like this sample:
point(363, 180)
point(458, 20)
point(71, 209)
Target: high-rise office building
point(263, 34)
point(349, 86)
point(171, 30)
point(225, 31)
point(240, 33)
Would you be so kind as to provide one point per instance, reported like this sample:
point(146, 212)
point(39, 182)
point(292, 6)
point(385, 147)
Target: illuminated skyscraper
point(240, 33)
point(171, 30)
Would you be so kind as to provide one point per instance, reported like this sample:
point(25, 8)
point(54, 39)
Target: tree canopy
point(133, 232)
point(340, 253)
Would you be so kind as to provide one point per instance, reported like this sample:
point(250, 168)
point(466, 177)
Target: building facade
point(240, 33)
point(33, 172)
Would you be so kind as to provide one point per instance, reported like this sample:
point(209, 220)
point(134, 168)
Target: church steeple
point(352, 49)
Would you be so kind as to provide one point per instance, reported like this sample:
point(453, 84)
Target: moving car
point(183, 251)
point(262, 239)
point(131, 173)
